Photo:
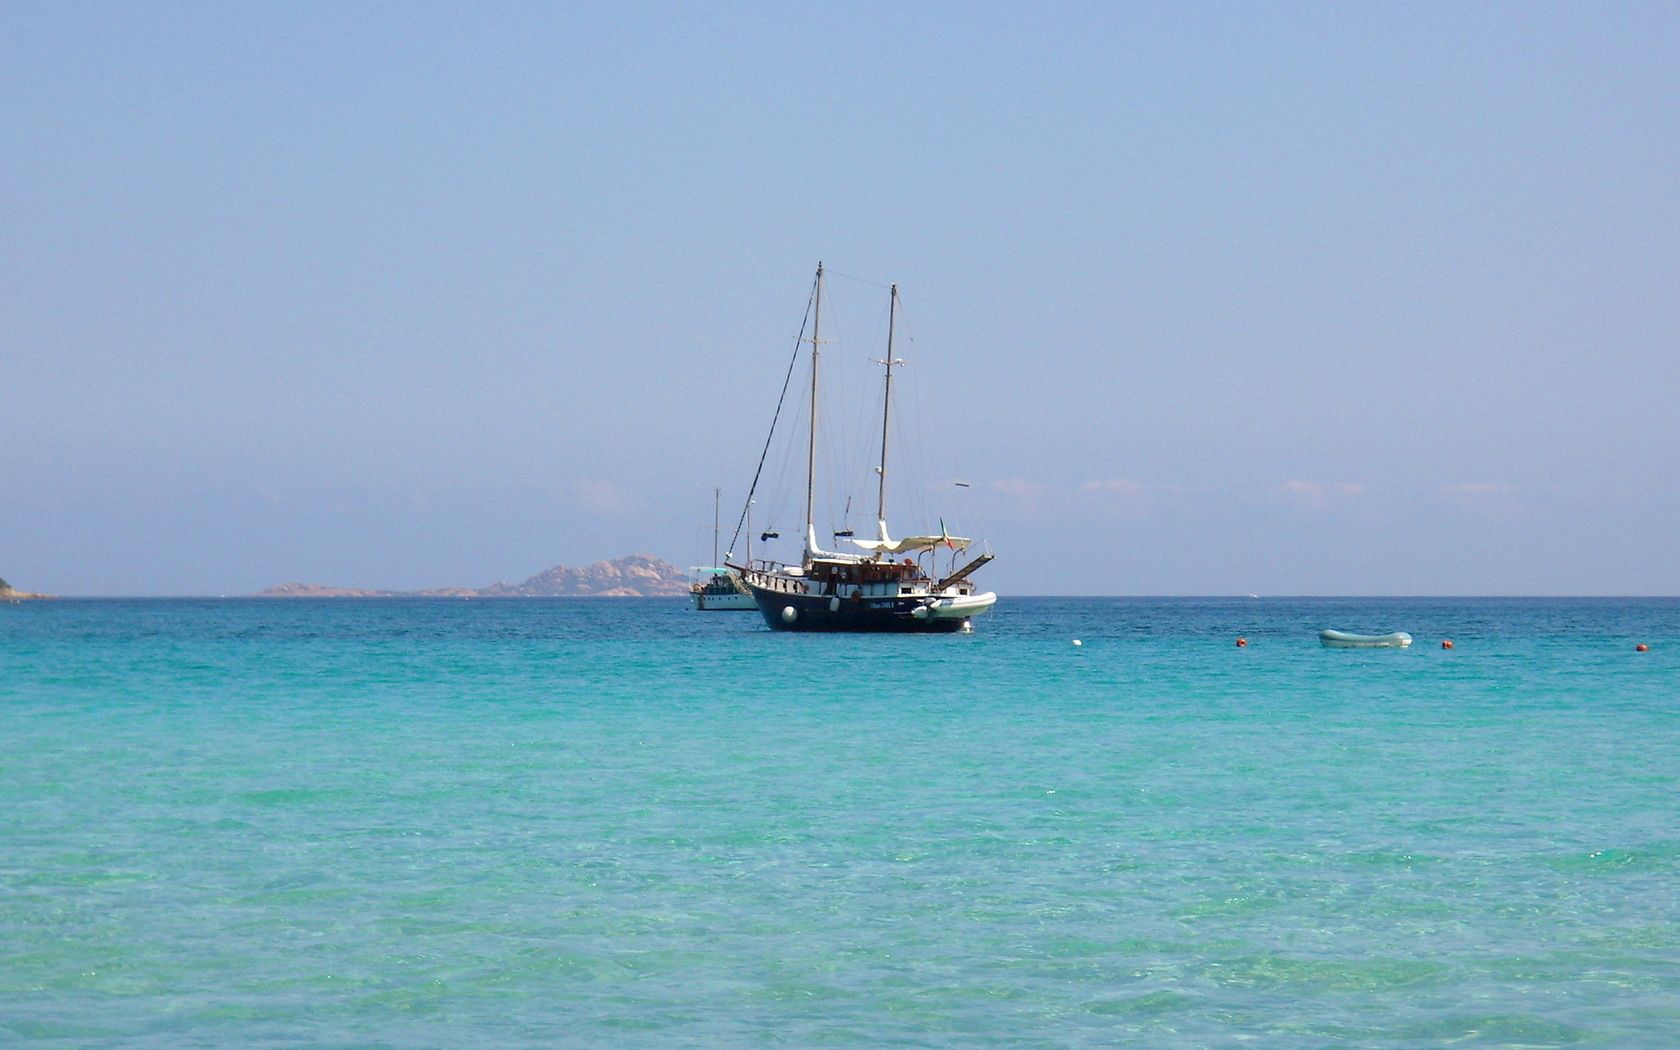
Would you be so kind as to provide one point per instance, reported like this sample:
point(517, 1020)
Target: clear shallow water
point(439, 823)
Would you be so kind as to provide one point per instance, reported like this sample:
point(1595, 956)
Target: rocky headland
point(8, 593)
point(633, 576)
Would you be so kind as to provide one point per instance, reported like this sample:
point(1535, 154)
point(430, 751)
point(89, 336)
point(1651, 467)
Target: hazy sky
point(1283, 299)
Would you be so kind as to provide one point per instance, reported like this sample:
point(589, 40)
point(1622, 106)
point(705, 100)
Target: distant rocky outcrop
point(10, 594)
point(634, 576)
point(321, 590)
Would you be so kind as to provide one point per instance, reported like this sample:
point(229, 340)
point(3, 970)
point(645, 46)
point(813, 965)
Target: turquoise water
point(624, 823)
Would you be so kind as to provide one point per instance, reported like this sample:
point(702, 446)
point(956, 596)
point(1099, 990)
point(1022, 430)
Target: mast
point(811, 447)
point(886, 414)
point(717, 500)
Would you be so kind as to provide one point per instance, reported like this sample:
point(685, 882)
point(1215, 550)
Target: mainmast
point(886, 414)
point(811, 447)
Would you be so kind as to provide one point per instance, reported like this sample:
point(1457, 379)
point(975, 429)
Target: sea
point(625, 823)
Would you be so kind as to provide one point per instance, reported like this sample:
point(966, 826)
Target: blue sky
point(1210, 299)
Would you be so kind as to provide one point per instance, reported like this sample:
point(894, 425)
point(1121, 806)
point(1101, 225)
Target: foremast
point(811, 547)
point(886, 417)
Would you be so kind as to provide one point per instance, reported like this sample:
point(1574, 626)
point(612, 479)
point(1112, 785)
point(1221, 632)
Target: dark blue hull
point(818, 612)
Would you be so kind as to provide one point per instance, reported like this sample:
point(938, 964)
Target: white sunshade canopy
point(887, 545)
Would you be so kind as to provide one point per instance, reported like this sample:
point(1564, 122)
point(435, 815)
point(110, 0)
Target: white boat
point(879, 589)
point(715, 588)
point(1344, 640)
point(720, 590)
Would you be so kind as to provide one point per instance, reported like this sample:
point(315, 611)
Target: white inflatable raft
point(954, 606)
point(1344, 640)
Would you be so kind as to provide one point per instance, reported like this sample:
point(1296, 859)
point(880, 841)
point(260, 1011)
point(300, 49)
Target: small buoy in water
point(1446, 643)
point(1241, 642)
point(1077, 642)
point(1641, 648)
point(789, 614)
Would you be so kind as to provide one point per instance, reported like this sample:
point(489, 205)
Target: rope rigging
point(780, 401)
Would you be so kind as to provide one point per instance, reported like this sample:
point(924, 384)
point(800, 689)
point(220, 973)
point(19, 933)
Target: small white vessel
point(718, 589)
point(1344, 640)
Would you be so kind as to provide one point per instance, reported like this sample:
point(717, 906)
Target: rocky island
point(9, 594)
point(633, 576)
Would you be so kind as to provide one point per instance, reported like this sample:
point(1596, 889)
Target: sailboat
point(718, 588)
point(876, 588)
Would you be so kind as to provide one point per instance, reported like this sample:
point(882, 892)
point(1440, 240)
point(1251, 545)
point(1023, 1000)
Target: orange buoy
point(1241, 642)
point(1641, 648)
point(1446, 643)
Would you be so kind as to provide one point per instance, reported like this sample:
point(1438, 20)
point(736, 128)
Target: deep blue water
point(625, 823)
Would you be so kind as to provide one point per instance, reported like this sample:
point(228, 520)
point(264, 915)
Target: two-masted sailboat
point(892, 585)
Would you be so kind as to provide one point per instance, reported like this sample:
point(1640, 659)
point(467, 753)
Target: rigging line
point(797, 343)
point(859, 280)
point(778, 481)
point(791, 464)
point(834, 439)
point(864, 466)
point(849, 475)
point(915, 420)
